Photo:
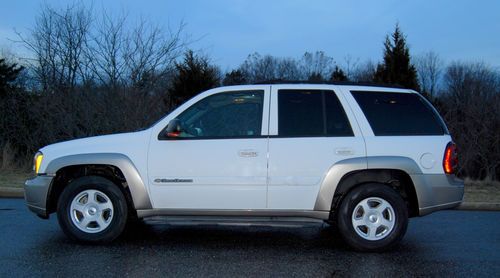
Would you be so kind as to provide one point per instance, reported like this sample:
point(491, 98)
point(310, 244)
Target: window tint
point(311, 113)
point(399, 114)
point(337, 123)
point(235, 114)
point(300, 113)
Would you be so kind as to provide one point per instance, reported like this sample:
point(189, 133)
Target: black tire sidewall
point(120, 210)
point(356, 195)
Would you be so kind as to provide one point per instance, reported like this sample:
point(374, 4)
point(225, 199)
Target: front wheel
point(92, 209)
point(372, 217)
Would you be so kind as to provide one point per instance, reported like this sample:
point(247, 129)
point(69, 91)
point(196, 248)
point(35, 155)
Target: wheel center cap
point(373, 218)
point(92, 210)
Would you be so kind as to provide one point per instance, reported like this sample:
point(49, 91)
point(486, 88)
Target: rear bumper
point(437, 192)
point(35, 194)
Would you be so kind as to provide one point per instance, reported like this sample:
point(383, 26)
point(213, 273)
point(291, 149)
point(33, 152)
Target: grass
point(475, 191)
point(482, 191)
point(13, 178)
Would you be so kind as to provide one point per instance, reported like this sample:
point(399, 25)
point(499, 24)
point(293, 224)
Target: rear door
point(310, 131)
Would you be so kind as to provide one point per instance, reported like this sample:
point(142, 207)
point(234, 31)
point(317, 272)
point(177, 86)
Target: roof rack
point(346, 83)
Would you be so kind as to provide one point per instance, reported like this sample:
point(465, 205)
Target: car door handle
point(248, 153)
point(344, 151)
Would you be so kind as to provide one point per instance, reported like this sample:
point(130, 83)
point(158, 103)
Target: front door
point(217, 158)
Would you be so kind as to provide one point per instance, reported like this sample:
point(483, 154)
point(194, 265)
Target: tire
point(372, 217)
point(92, 209)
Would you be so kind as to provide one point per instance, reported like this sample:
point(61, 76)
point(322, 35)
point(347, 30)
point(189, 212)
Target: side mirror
point(173, 129)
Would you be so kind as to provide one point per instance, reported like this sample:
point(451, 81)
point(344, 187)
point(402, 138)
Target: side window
point(224, 115)
point(300, 113)
point(398, 114)
point(306, 113)
point(337, 123)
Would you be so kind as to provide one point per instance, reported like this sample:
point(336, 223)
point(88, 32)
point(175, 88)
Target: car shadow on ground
point(316, 238)
point(205, 235)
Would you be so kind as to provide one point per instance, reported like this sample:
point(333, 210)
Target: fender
point(394, 162)
point(335, 174)
point(138, 190)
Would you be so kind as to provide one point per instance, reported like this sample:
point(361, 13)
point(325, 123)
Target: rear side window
point(399, 114)
point(306, 113)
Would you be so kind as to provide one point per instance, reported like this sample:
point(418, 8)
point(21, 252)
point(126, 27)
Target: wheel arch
point(116, 167)
point(394, 178)
point(393, 171)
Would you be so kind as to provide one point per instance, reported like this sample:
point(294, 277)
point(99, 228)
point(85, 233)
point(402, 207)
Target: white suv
point(363, 158)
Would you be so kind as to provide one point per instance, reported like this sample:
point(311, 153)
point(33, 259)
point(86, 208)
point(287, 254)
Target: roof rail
point(346, 83)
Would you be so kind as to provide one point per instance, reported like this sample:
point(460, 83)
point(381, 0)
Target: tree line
point(90, 76)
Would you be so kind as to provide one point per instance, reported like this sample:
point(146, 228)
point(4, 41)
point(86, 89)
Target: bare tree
point(150, 51)
point(257, 68)
point(364, 72)
point(106, 51)
point(58, 42)
point(288, 69)
point(317, 63)
point(429, 68)
point(471, 105)
point(351, 64)
point(70, 47)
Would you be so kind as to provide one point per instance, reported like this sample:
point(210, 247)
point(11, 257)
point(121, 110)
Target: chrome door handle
point(344, 151)
point(248, 153)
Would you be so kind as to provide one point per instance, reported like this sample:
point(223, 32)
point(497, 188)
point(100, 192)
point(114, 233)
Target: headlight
point(37, 162)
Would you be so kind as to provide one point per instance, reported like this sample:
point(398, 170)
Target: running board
point(234, 221)
point(242, 215)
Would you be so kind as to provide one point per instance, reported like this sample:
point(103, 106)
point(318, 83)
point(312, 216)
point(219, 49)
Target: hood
point(115, 143)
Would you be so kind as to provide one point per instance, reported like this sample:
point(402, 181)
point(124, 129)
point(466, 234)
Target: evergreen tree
point(235, 77)
point(8, 74)
point(396, 68)
point(338, 75)
point(194, 75)
point(316, 77)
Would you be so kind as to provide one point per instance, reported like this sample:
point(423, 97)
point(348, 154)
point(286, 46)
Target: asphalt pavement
point(446, 243)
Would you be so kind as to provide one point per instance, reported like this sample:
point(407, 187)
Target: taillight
point(450, 160)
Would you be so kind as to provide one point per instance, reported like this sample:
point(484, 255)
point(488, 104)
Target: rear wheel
point(372, 217)
point(92, 209)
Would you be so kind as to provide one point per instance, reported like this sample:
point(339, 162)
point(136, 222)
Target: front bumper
point(35, 193)
point(437, 192)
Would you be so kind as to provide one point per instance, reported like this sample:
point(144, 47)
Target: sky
point(228, 31)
